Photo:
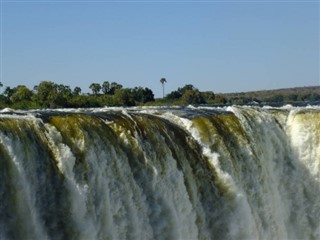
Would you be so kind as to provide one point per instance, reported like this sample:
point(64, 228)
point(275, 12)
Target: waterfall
point(160, 173)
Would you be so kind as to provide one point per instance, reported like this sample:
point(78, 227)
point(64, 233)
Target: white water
point(244, 173)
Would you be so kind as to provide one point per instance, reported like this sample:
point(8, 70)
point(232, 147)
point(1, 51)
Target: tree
point(106, 87)
point(76, 91)
point(1, 85)
point(113, 87)
point(123, 97)
point(209, 97)
point(276, 98)
point(8, 92)
point(220, 99)
point(186, 88)
point(142, 95)
point(22, 93)
point(47, 95)
point(163, 81)
point(192, 97)
point(174, 95)
point(95, 87)
point(64, 91)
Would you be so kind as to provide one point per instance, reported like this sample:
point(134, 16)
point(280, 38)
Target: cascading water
point(157, 173)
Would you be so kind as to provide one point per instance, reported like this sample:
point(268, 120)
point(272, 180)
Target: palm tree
point(163, 80)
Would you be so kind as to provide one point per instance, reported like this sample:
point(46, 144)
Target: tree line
point(276, 96)
point(48, 94)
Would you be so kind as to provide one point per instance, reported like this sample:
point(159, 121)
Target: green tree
point(186, 88)
point(142, 95)
point(209, 97)
point(3, 99)
point(220, 99)
point(47, 95)
point(65, 91)
point(76, 91)
point(95, 87)
point(174, 95)
point(276, 99)
point(192, 97)
point(163, 81)
point(22, 93)
point(8, 92)
point(123, 97)
point(106, 87)
point(113, 87)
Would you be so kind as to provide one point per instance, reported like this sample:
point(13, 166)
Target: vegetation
point(163, 81)
point(190, 95)
point(278, 96)
point(51, 95)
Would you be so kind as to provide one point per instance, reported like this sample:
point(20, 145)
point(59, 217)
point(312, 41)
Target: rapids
point(160, 173)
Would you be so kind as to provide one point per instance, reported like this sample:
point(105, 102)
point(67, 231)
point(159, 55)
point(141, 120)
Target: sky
point(219, 46)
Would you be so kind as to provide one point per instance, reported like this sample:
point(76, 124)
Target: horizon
point(274, 89)
point(224, 47)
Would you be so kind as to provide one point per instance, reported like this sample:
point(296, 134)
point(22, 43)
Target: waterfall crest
point(154, 173)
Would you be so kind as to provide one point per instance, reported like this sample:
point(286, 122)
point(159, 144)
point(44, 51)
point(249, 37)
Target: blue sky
point(220, 46)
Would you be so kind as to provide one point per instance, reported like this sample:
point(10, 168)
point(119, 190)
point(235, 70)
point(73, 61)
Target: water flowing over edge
point(160, 173)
